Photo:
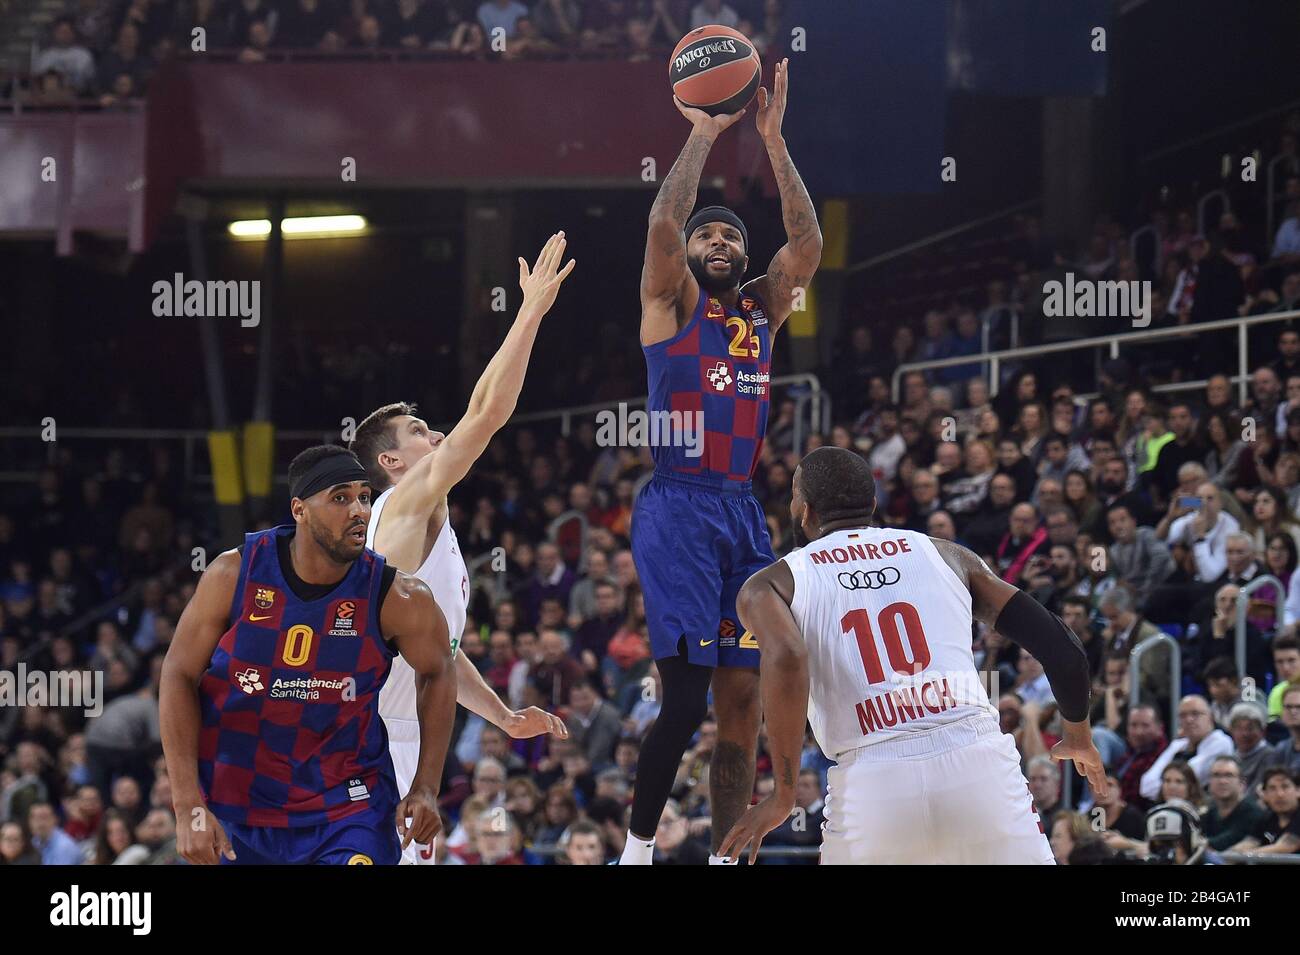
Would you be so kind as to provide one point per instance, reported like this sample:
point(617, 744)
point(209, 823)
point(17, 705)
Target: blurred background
point(961, 153)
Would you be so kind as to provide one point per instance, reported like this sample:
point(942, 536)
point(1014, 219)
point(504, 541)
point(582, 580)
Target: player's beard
point(715, 284)
point(342, 549)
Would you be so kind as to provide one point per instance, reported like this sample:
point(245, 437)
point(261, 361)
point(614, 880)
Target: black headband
point(717, 214)
point(341, 468)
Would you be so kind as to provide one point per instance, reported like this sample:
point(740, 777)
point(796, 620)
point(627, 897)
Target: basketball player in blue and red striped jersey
point(697, 531)
point(269, 697)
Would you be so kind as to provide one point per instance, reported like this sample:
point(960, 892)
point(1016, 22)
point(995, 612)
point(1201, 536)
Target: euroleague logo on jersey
point(869, 579)
point(344, 619)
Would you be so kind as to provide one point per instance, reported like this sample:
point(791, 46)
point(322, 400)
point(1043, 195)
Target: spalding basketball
point(716, 69)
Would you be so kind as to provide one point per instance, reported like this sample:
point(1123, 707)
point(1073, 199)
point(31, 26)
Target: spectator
point(1146, 743)
point(1045, 785)
point(707, 12)
point(124, 56)
point(1230, 816)
point(1140, 558)
point(559, 21)
point(673, 842)
point(1023, 550)
point(1286, 752)
point(16, 846)
point(1184, 447)
point(583, 843)
point(594, 724)
point(1286, 664)
point(1246, 726)
point(55, 846)
point(113, 838)
point(1198, 742)
point(1278, 831)
point(551, 580)
point(501, 15)
point(66, 57)
point(1223, 683)
point(552, 678)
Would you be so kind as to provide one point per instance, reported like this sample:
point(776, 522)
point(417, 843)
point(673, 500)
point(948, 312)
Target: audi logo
point(869, 579)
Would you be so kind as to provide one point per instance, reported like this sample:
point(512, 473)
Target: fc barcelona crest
point(264, 598)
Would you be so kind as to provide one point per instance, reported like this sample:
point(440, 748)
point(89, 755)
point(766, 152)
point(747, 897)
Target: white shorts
point(951, 796)
point(404, 748)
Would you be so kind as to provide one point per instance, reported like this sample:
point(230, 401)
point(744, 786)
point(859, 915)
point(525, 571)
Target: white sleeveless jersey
point(445, 572)
point(888, 629)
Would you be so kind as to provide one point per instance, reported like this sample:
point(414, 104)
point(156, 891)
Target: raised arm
point(1017, 616)
point(795, 262)
point(763, 606)
point(666, 283)
point(406, 515)
point(199, 837)
point(412, 620)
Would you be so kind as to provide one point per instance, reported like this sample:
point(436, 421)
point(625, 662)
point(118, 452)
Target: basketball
point(716, 69)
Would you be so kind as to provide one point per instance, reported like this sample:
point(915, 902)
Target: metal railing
point(1271, 197)
point(1226, 206)
point(816, 400)
point(1175, 672)
point(1113, 342)
point(940, 236)
point(1249, 858)
point(1243, 601)
point(1155, 241)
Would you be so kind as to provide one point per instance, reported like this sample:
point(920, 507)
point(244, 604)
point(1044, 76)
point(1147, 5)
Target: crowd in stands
point(1130, 513)
point(108, 49)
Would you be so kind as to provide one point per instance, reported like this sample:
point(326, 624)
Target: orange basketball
point(716, 69)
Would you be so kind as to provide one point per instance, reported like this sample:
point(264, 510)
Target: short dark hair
point(1276, 771)
point(308, 459)
point(375, 435)
point(1220, 668)
point(1285, 641)
point(837, 483)
point(1075, 600)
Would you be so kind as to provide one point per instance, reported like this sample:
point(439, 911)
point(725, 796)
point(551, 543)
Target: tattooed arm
point(666, 283)
point(795, 262)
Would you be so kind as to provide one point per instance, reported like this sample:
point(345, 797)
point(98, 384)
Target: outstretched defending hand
point(771, 109)
point(530, 722)
point(703, 122)
point(542, 284)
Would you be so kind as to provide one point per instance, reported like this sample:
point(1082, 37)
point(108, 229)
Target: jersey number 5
point(907, 661)
point(740, 348)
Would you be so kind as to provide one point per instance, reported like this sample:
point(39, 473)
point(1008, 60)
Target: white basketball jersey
point(445, 572)
point(888, 629)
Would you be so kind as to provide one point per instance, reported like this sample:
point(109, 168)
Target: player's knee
point(691, 712)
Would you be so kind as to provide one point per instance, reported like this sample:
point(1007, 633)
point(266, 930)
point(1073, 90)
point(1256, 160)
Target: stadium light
point(299, 227)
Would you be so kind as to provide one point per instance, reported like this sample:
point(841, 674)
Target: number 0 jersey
point(887, 624)
point(291, 734)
